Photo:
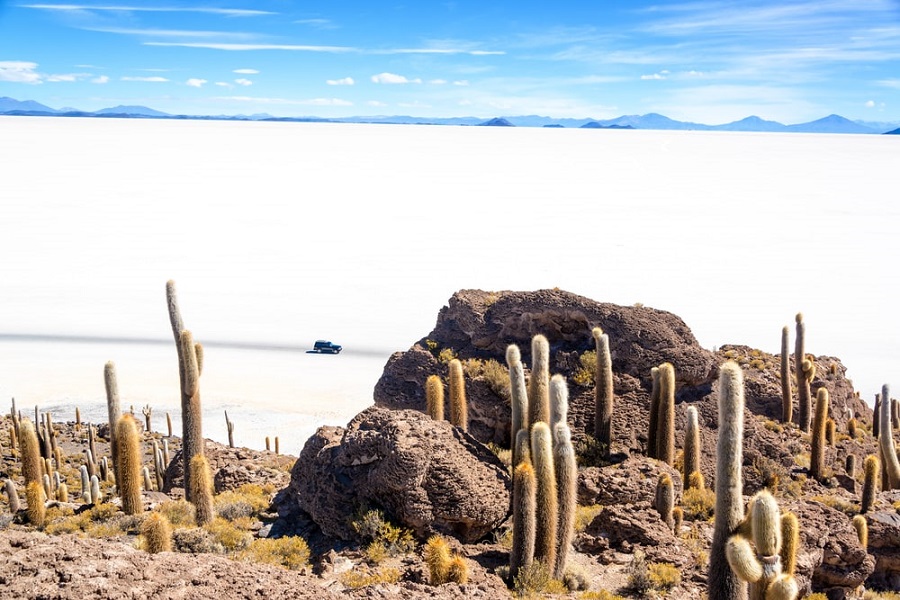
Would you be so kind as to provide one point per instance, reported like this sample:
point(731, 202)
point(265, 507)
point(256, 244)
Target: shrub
point(376, 552)
point(837, 503)
point(492, 372)
point(372, 526)
point(289, 552)
point(698, 504)
point(536, 579)
point(446, 355)
point(584, 515)
point(196, 540)
point(601, 595)
point(663, 576)
point(589, 452)
point(228, 535)
point(360, 578)
point(504, 454)
point(576, 579)
point(639, 574)
point(584, 373)
point(180, 513)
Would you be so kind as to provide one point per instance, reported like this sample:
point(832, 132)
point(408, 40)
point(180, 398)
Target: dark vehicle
point(324, 347)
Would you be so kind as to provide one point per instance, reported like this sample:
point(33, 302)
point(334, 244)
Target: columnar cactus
point(201, 489)
point(654, 414)
point(886, 441)
point(817, 454)
point(539, 382)
point(567, 489)
point(876, 416)
point(759, 564)
point(787, 406)
point(850, 466)
point(157, 533)
point(524, 519)
point(190, 356)
point(547, 506)
point(559, 402)
point(518, 397)
point(804, 415)
point(434, 397)
point(13, 496)
point(229, 426)
point(871, 471)
point(852, 428)
point(603, 391)
point(665, 499)
point(459, 411)
point(862, 530)
point(36, 510)
point(723, 584)
point(790, 542)
point(691, 445)
point(113, 409)
point(128, 464)
point(665, 440)
point(30, 452)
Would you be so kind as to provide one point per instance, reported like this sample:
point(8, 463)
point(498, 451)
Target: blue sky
point(705, 61)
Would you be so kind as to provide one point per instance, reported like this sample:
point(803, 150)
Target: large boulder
point(426, 475)
point(884, 544)
point(481, 325)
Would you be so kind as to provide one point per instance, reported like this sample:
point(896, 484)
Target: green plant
point(585, 371)
point(156, 532)
point(291, 552)
point(458, 406)
point(603, 390)
point(128, 464)
point(434, 397)
point(723, 584)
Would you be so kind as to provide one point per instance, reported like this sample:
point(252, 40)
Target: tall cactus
point(817, 454)
point(691, 445)
point(434, 397)
point(787, 406)
point(876, 414)
point(567, 489)
point(518, 398)
point(201, 489)
point(804, 408)
point(790, 542)
point(665, 437)
point(189, 369)
point(871, 471)
point(723, 584)
point(128, 464)
point(524, 518)
point(654, 414)
point(30, 452)
point(603, 391)
point(886, 440)
point(113, 408)
point(759, 564)
point(539, 382)
point(547, 505)
point(559, 402)
point(459, 410)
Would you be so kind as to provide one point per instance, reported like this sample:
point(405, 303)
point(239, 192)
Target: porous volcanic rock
point(479, 324)
point(426, 475)
point(884, 544)
point(233, 467)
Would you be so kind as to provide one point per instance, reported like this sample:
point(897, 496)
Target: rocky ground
point(365, 497)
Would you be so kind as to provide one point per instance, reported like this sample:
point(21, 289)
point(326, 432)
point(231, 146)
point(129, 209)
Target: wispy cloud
point(287, 101)
point(246, 47)
point(341, 81)
point(100, 79)
point(246, 71)
point(228, 12)
point(178, 33)
point(317, 23)
point(19, 72)
point(393, 78)
point(152, 79)
point(657, 76)
point(243, 81)
point(889, 83)
point(195, 82)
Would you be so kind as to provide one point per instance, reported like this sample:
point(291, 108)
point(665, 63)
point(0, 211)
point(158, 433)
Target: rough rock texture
point(477, 324)
point(426, 475)
point(884, 544)
point(234, 467)
point(629, 482)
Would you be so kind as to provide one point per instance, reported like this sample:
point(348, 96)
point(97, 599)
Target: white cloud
point(100, 79)
point(870, 104)
point(891, 83)
point(342, 81)
point(244, 82)
point(246, 71)
point(461, 82)
point(224, 84)
point(438, 81)
point(393, 78)
point(154, 79)
point(195, 82)
point(66, 77)
point(239, 47)
point(177, 33)
point(317, 23)
point(19, 72)
point(310, 102)
point(376, 103)
point(655, 76)
point(228, 12)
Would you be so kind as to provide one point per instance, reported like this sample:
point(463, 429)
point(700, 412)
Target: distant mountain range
point(829, 124)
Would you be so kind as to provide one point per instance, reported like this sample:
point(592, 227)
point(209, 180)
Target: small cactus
point(862, 530)
point(677, 518)
point(850, 466)
point(830, 430)
point(438, 557)
point(202, 490)
point(459, 570)
point(459, 411)
point(37, 510)
point(871, 471)
point(852, 428)
point(665, 500)
point(157, 533)
point(434, 397)
point(96, 495)
point(790, 542)
point(128, 464)
point(13, 496)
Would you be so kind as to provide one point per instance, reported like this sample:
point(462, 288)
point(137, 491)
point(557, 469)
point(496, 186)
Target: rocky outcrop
point(884, 544)
point(426, 475)
point(233, 467)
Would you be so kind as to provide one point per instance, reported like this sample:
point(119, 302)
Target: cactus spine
point(524, 518)
point(603, 391)
point(434, 397)
point(723, 584)
point(871, 471)
point(202, 489)
point(654, 413)
point(438, 557)
point(128, 464)
point(790, 542)
point(539, 382)
point(567, 489)
point(804, 408)
point(665, 440)
point(189, 365)
point(113, 409)
point(36, 511)
point(459, 410)
point(665, 500)
point(691, 445)
point(546, 498)
point(817, 454)
point(787, 406)
point(157, 533)
point(30, 452)
point(862, 530)
point(13, 496)
point(559, 402)
point(886, 441)
point(518, 399)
